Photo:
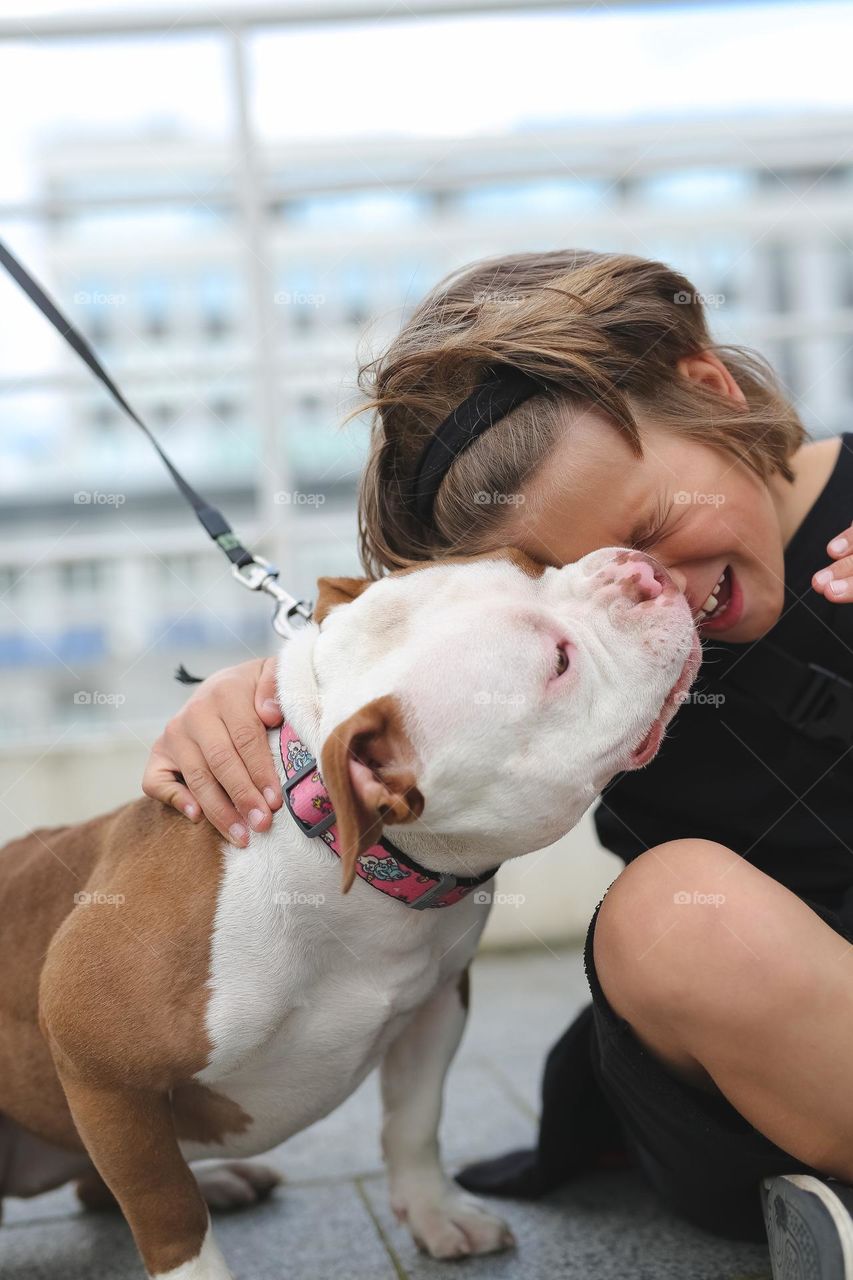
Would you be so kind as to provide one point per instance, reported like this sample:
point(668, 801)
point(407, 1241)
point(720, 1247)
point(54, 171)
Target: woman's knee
point(661, 922)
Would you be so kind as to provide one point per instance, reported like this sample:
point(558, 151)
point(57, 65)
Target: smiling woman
point(644, 432)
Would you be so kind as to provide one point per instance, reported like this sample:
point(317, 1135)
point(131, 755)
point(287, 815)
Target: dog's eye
point(562, 664)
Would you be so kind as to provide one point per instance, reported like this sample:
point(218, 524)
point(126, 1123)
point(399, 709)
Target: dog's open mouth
point(648, 748)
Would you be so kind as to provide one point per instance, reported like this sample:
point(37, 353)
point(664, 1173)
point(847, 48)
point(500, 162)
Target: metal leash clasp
point(261, 575)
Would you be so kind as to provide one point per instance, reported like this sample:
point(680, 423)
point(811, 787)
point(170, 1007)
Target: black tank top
point(731, 770)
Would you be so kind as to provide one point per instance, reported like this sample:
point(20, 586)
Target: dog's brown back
point(132, 879)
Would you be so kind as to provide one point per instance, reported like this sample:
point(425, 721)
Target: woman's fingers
point(253, 775)
point(213, 800)
point(842, 544)
point(225, 744)
point(835, 582)
point(159, 782)
point(214, 756)
point(198, 794)
point(266, 696)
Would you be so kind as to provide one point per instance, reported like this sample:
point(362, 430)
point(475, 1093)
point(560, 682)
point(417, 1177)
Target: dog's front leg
point(130, 1135)
point(443, 1219)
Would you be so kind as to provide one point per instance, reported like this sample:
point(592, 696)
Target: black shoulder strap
point(808, 698)
point(210, 518)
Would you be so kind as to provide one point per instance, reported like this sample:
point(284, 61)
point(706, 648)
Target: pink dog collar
point(384, 866)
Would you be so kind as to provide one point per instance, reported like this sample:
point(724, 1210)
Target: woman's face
point(700, 512)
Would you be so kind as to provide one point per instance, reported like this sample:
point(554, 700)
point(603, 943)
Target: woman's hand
point(218, 745)
point(836, 581)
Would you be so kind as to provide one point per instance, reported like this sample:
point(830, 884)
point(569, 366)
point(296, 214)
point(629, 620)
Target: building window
point(99, 331)
point(779, 291)
point(844, 272)
point(218, 299)
point(785, 364)
point(80, 575)
point(356, 316)
point(224, 410)
point(163, 413)
point(154, 298)
point(178, 571)
point(309, 406)
point(215, 325)
point(303, 319)
point(9, 578)
point(155, 327)
point(103, 419)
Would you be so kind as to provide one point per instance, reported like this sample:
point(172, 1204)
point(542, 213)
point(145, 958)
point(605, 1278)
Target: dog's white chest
point(308, 988)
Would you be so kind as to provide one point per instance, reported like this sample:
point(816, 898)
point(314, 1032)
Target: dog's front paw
point(454, 1225)
point(235, 1184)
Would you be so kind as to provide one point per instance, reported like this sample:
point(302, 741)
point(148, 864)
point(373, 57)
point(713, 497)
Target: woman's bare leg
point(732, 981)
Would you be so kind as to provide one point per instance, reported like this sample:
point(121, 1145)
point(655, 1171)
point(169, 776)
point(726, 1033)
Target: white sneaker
point(809, 1227)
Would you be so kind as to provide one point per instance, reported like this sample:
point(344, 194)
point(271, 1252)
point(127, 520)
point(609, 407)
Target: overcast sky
point(446, 77)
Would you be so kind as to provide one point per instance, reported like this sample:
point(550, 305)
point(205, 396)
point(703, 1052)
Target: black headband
point(502, 390)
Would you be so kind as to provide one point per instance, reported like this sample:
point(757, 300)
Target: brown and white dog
point(167, 998)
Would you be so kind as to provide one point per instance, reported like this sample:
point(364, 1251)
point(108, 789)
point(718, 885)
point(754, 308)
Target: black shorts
point(703, 1158)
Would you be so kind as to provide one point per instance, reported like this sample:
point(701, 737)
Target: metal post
point(273, 475)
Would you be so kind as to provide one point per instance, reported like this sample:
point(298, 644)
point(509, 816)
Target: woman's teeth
point(712, 603)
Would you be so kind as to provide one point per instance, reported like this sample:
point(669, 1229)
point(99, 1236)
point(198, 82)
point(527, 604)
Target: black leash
point(252, 571)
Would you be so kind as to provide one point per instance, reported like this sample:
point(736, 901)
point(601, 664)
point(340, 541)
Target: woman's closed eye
point(651, 531)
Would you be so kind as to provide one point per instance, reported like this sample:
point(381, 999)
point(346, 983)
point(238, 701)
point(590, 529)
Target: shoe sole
point(809, 1230)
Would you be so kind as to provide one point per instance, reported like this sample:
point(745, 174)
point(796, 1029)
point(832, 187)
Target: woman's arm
point(213, 757)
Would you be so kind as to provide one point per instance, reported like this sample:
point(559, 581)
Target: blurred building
point(107, 580)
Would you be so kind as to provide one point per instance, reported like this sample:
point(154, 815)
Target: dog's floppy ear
point(368, 765)
point(332, 591)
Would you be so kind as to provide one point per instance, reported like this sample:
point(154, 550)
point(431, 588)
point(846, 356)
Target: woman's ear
point(332, 591)
point(368, 765)
point(706, 368)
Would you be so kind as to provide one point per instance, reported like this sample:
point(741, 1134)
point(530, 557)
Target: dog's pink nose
point(641, 578)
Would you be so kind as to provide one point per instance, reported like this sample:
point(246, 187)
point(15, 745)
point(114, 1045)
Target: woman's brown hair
point(603, 330)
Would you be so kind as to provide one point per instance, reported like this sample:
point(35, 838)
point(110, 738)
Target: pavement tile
point(302, 1233)
point(80, 1247)
point(607, 1226)
point(306, 1233)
